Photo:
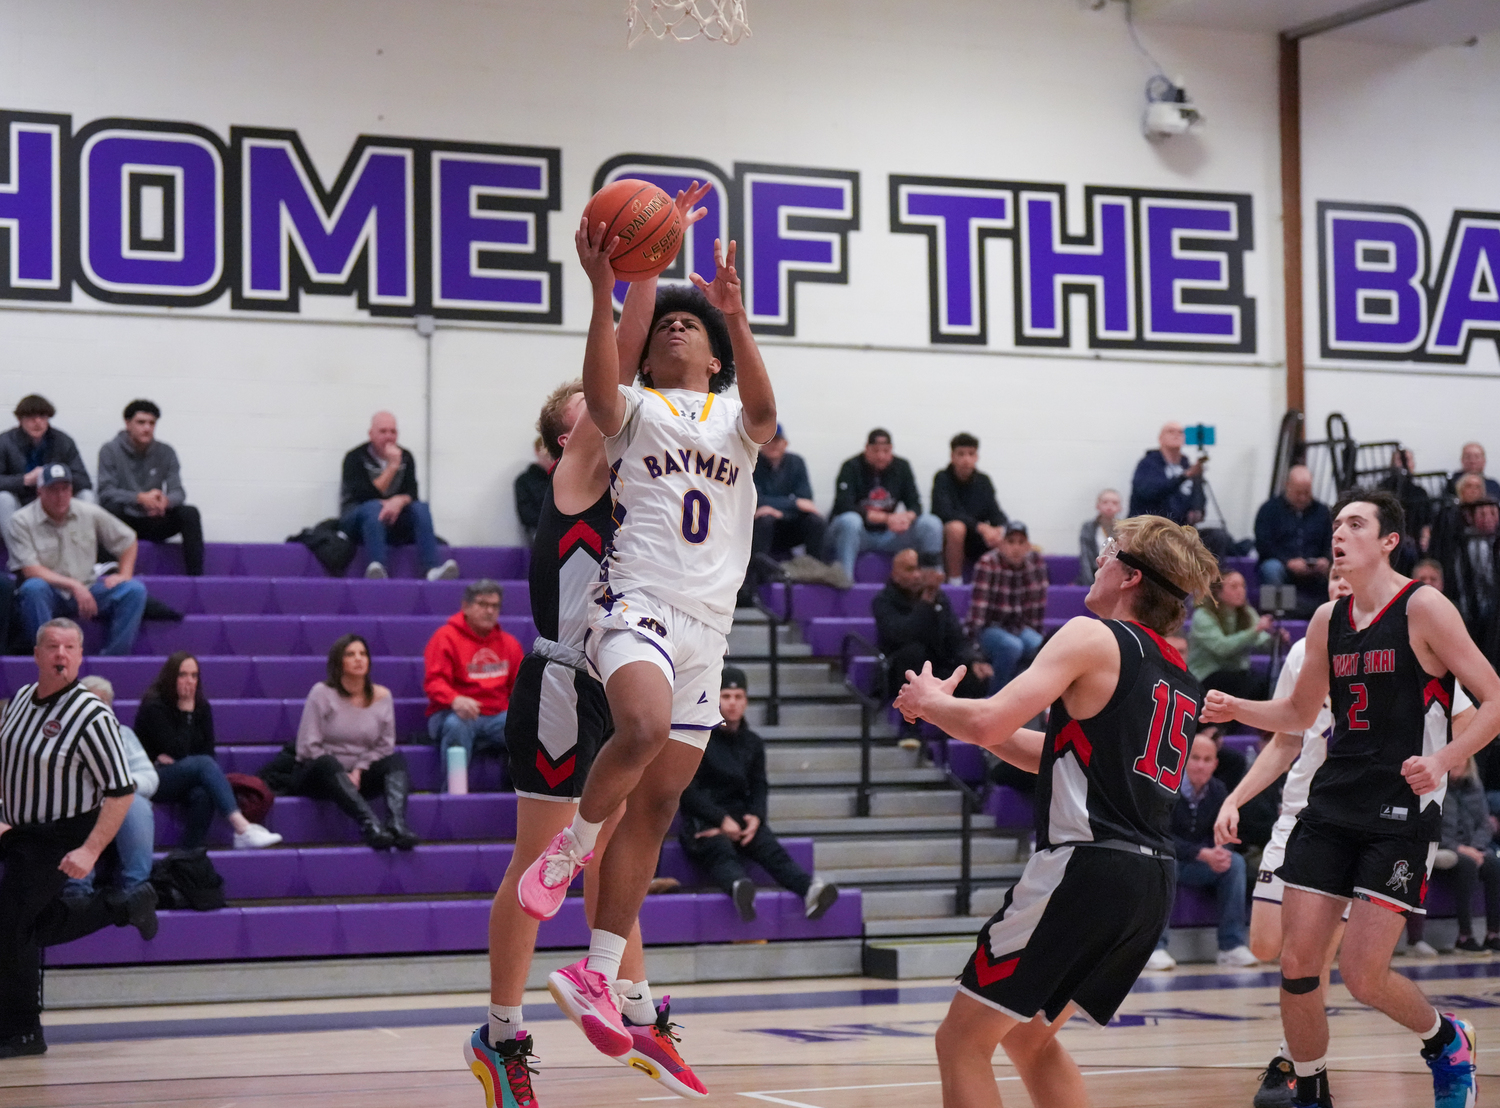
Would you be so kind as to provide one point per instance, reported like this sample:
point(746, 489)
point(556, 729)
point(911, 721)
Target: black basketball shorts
point(1350, 864)
point(557, 720)
point(1078, 927)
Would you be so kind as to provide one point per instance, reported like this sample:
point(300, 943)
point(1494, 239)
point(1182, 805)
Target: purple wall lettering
point(1468, 301)
point(364, 222)
point(957, 216)
point(1372, 262)
point(151, 214)
point(1053, 262)
point(31, 206)
point(796, 225)
point(1188, 256)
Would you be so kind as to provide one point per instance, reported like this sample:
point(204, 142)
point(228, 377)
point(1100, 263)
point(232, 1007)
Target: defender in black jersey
point(1387, 658)
point(1078, 928)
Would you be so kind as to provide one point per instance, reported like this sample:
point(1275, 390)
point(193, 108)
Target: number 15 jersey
point(680, 471)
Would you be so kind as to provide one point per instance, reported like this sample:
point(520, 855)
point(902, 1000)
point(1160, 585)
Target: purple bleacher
point(343, 930)
point(1062, 569)
point(826, 636)
point(966, 761)
point(267, 636)
point(1010, 807)
point(309, 596)
point(863, 670)
point(237, 596)
point(195, 634)
point(872, 567)
point(1245, 567)
point(1066, 601)
point(427, 774)
point(1194, 907)
point(1244, 742)
point(283, 678)
point(290, 559)
point(298, 819)
point(240, 721)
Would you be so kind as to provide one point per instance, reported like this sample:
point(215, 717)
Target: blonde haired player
point(681, 455)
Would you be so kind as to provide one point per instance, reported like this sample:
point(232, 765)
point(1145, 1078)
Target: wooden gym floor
point(1195, 1037)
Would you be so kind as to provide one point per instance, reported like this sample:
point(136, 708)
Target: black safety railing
point(775, 621)
point(868, 706)
point(969, 804)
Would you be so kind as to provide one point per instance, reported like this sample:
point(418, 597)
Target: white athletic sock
point(605, 951)
point(636, 1004)
point(584, 833)
point(1437, 1024)
point(505, 1021)
point(956, 580)
point(1310, 1069)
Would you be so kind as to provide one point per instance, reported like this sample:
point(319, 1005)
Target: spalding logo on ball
point(646, 221)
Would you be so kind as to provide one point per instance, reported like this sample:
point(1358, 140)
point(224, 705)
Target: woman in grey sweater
point(346, 747)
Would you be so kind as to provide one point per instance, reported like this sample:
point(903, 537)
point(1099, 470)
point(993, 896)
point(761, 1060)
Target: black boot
point(353, 805)
point(397, 787)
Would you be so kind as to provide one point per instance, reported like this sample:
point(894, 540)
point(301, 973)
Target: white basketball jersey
point(680, 469)
point(1315, 738)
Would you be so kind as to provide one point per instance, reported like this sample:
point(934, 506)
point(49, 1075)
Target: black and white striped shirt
point(59, 757)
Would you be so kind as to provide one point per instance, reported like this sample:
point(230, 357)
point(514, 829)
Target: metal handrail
point(970, 802)
point(774, 622)
point(868, 706)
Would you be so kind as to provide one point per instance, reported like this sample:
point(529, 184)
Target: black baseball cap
point(734, 678)
point(1014, 526)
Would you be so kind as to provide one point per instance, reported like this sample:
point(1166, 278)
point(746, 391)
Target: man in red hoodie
point(468, 673)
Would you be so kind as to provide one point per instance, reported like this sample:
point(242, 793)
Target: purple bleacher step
point(300, 819)
point(290, 559)
point(263, 596)
point(283, 873)
point(488, 772)
point(241, 722)
point(429, 927)
point(396, 636)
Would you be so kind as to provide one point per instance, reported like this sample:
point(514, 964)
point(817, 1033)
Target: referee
point(64, 790)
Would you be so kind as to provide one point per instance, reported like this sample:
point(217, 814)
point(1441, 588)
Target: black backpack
point(333, 549)
point(187, 879)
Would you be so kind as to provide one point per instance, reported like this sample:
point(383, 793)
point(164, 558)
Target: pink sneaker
point(655, 1053)
point(587, 999)
point(544, 885)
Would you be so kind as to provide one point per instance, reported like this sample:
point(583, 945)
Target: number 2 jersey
point(1386, 709)
point(1113, 778)
point(681, 472)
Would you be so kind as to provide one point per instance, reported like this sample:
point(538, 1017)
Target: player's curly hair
point(550, 424)
point(1178, 554)
point(689, 298)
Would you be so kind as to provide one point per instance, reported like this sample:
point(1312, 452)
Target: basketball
point(645, 219)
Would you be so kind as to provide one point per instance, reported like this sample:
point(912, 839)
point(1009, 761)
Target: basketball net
point(715, 20)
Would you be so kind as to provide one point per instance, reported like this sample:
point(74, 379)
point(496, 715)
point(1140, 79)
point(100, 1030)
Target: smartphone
point(1198, 434)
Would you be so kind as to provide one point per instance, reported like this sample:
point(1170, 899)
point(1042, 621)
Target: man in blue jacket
point(1294, 536)
point(1165, 484)
point(785, 515)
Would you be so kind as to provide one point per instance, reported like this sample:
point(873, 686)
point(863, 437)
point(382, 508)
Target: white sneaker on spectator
point(376, 572)
point(1423, 949)
point(1240, 957)
point(255, 837)
point(445, 572)
point(1161, 960)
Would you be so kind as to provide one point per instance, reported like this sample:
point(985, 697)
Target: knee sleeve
point(1297, 986)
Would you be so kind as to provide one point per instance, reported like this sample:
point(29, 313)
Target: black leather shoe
point(20, 1046)
point(744, 899)
point(136, 907)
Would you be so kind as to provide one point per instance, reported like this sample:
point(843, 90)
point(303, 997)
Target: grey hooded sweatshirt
point(123, 473)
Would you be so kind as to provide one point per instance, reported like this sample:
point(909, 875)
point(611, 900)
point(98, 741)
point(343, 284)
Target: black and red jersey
point(1386, 709)
point(565, 558)
point(1115, 776)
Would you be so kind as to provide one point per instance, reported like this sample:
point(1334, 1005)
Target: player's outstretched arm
point(1436, 622)
point(640, 298)
point(757, 399)
point(601, 359)
point(1291, 714)
point(1082, 646)
point(1269, 764)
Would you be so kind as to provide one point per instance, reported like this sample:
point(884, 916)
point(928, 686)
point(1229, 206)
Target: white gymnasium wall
point(261, 408)
point(1419, 129)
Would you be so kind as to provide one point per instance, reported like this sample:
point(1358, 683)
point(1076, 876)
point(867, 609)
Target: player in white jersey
point(681, 455)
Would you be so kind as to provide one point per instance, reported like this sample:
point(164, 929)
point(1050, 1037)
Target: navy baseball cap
point(54, 474)
point(1015, 526)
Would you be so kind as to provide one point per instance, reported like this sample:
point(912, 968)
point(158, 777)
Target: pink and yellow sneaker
point(654, 1053)
point(587, 999)
point(544, 886)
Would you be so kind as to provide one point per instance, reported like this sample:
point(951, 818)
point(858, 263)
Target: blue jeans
point(134, 842)
point(446, 729)
point(1230, 887)
point(120, 608)
point(198, 782)
point(1006, 650)
point(362, 521)
point(1272, 572)
point(849, 538)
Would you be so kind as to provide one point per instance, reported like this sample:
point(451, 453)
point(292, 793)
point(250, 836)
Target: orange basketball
point(647, 222)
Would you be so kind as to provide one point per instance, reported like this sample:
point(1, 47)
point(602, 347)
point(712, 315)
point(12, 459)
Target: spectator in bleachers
point(1415, 502)
point(531, 489)
point(137, 834)
point(724, 813)
point(1008, 605)
point(378, 502)
point(915, 624)
point(346, 747)
point(785, 514)
point(1165, 484)
point(876, 506)
point(469, 670)
point(1095, 533)
point(26, 448)
point(1472, 460)
point(1466, 858)
point(964, 500)
point(1294, 536)
point(176, 727)
point(141, 482)
point(1471, 561)
point(1429, 571)
point(1222, 637)
point(53, 542)
point(1201, 864)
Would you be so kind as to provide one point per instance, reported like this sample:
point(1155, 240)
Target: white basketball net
point(716, 20)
